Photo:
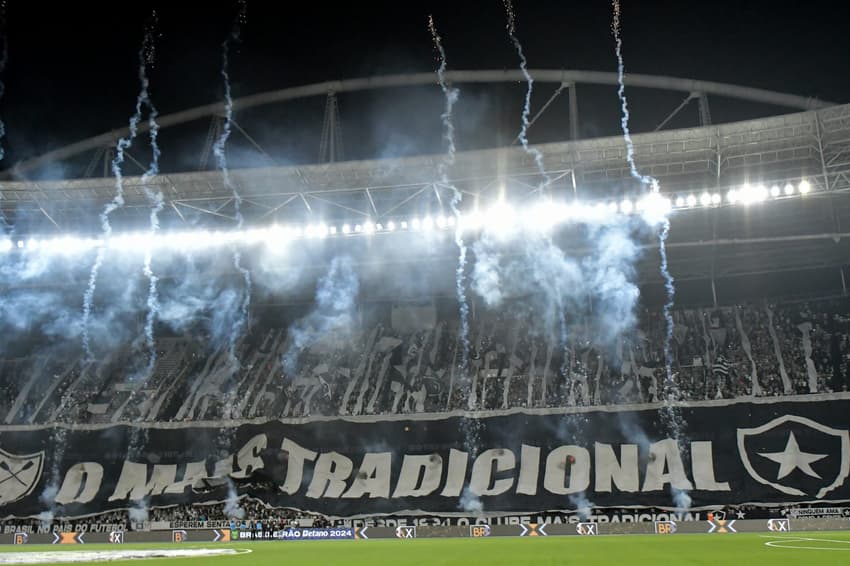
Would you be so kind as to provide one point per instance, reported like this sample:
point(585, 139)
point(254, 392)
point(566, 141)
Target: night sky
point(72, 68)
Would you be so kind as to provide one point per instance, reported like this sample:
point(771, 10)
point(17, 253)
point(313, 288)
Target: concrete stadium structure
point(799, 233)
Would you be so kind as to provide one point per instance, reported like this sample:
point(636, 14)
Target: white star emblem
point(740, 514)
point(792, 458)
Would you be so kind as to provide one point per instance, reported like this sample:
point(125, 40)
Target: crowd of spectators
point(512, 361)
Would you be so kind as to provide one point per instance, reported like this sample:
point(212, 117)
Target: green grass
point(682, 550)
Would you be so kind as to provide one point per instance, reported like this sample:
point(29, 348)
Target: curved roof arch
point(563, 77)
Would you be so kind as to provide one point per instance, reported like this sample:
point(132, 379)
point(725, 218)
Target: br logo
point(405, 532)
point(178, 536)
point(479, 530)
point(779, 525)
point(19, 474)
point(665, 527)
point(796, 455)
point(116, 537)
point(20, 538)
point(586, 529)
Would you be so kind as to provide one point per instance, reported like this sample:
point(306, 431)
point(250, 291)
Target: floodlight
point(804, 187)
point(705, 199)
point(789, 189)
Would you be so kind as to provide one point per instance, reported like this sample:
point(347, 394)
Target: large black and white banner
point(763, 451)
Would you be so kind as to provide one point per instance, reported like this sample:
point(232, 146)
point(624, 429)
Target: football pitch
point(826, 548)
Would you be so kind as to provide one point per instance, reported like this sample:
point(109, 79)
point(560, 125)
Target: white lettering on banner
point(565, 475)
point(702, 465)
point(133, 483)
point(194, 472)
point(482, 482)
point(529, 470)
point(81, 483)
point(248, 457)
point(329, 475)
point(623, 474)
point(665, 466)
point(420, 475)
point(373, 477)
point(458, 461)
point(295, 465)
point(495, 471)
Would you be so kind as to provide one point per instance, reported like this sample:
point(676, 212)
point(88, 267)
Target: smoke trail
point(336, 300)
point(232, 509)
point(670, 414)
point(451, 95)
point(526, 109)
point(155, 197)
point(538, 160)
point(221, 160)
point(143, 99)
point(4, 58)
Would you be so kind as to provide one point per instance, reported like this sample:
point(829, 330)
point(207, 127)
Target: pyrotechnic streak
point(671, 414)
point(156, 199)
point(537, 155)
point(451, 95)
point(221, 160)
point(146, 56)
point(526, 109)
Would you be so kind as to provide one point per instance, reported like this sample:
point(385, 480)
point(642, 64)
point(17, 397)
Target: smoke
point(45, 519)
point(470, 503)
point(139, 512)
point(232, 509)
point(451, 96)
point(680, 498)
point(221, 160)
point(584, 507)
point(124, 144)
point(597, 283)
point(333, 316)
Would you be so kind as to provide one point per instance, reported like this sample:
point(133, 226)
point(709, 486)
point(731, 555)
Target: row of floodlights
point(652, 208)
point(746, 194)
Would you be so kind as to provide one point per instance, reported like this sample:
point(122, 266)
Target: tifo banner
point(761, 451)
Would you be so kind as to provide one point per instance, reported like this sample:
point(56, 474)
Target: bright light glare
point(804, 187)
point(346, 229)
point(732, 196)
point(789, 189)
point(626, 206)
point(774, 191)
point(692, 201)
point(390, 225)
point(705, 199)
point(715, 198)
point(680, 202)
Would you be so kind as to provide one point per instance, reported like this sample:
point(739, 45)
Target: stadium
point(383, 357)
